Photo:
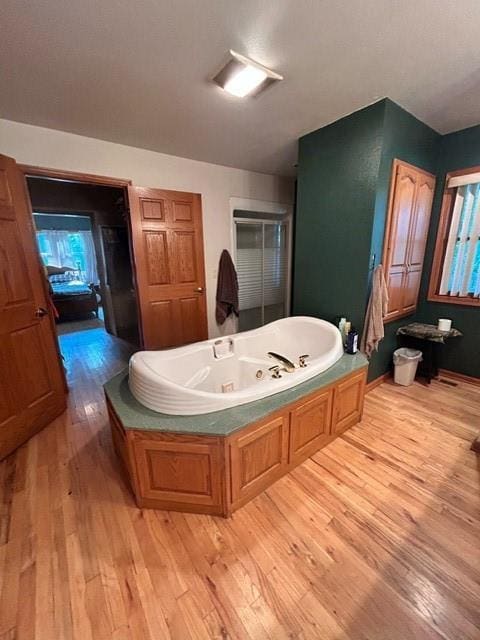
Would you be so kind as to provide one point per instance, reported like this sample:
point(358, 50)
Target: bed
point(72, 296)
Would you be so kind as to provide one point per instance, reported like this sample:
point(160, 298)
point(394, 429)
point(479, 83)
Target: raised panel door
point(421, 222)
point(395, 284)
point(410, 203)
point(418, 240)
point(167, 241)
point(32, 385)
point(403, 206)
point(411, 288)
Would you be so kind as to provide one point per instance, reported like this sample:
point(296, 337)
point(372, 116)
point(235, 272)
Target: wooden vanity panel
point(310, 426)
point(258, 457)
point(120, 442)
point(218, 474)
point(348, 399)
point(179, 472)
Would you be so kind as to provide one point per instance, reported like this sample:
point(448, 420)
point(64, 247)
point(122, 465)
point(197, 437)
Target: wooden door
point(348, 403)
point(410, 204)
point(32, 385)
point(418, 240)
point(167, 243)
point(310, 426)
point(404, 187)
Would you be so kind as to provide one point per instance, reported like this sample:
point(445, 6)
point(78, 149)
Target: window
point(456, 266)
point(74, 249)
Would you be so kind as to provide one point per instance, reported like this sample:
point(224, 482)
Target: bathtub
point(234, 370)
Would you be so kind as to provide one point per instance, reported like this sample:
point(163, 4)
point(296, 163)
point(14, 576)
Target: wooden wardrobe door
point(398, 231)
point(418, 240)
point(167, 243)
point(410, 204)
point(32, 384)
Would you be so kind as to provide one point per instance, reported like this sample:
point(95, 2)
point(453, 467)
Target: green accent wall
point(343, 183)
point(458, 150)
point(336, 192)
point(408, 139)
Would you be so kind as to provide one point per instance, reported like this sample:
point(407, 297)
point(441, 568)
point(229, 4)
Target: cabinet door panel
point(423, 207)
point(175, 472)
point(403, 205)
point(258, 457)
point(410, 203)
point(348, 403)
point(411, 289)
point(310, 426)
point(395, 284)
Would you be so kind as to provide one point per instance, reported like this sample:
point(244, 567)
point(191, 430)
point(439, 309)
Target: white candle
point(444, 324)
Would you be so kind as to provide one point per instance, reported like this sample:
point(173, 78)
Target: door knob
point(199, 289)
point(40, 312)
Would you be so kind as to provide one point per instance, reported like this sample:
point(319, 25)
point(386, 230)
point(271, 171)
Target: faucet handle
point(275, 371)
point(302, 359)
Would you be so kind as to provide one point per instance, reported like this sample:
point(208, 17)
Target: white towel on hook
point(373, 331)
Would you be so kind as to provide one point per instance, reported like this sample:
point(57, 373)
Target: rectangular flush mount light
point(244, 77)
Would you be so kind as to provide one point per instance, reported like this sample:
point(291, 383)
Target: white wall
point(217, 184)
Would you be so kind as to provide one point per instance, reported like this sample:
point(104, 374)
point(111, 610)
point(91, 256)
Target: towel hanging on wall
point(227, 288)
point(373, 331)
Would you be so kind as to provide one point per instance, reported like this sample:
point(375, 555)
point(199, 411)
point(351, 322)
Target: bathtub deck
point(133, 415)
point(376, 536)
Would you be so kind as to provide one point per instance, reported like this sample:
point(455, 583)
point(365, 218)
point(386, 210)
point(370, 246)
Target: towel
point(227, 288)
point(377, 308)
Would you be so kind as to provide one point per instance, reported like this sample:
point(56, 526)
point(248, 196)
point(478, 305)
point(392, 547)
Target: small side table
point(427, 339)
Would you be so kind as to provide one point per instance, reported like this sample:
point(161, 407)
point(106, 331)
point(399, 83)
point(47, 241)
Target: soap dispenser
point(352, 341)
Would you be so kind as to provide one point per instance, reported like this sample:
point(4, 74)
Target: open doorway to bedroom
point(83, 239)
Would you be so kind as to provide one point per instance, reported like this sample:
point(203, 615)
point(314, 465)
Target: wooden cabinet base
point(218, 474)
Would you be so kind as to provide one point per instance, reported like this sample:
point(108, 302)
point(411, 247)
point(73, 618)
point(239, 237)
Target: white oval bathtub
point(225, 372)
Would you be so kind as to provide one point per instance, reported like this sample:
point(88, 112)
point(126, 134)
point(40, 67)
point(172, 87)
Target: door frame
point(61, 175)
point(33, 171)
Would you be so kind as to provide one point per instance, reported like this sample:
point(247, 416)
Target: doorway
point(83, 238)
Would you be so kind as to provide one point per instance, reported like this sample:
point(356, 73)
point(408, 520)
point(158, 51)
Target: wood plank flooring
point(375, 537)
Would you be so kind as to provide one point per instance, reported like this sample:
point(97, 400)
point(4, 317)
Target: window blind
point(461, 267)
point(261, 263)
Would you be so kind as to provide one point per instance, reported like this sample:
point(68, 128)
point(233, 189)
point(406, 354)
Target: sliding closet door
point(32, 385)
point(262, 267)
point(167, 243)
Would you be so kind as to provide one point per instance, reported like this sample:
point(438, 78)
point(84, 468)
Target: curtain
point(73, 249)
point(461, 268)
point(55, 248)
point(90, 262)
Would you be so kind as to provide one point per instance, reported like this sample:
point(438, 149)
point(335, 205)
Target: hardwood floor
point(375, 537)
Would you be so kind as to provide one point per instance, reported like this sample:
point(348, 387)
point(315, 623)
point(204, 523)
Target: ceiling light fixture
point(243, 77)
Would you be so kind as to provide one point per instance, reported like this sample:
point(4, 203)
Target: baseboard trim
point(459, 376)
point(370, 386)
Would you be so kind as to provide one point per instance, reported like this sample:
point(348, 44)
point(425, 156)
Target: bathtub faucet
point(285, 362)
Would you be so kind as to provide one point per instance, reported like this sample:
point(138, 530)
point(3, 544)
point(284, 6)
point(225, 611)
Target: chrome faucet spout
point(285, 362)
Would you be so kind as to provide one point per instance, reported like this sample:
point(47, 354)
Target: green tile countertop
point(134, 415)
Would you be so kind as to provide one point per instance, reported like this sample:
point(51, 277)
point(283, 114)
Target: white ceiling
point(136, 71)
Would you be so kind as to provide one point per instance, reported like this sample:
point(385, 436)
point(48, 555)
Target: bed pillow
point(57, 271)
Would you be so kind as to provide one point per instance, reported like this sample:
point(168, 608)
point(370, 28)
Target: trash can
point(406, 363)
